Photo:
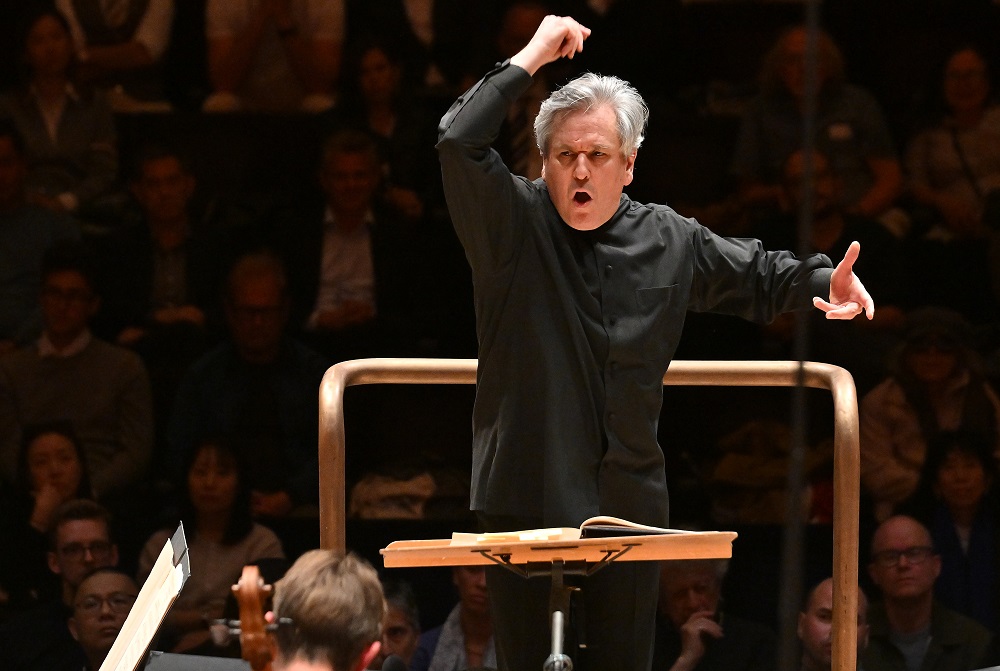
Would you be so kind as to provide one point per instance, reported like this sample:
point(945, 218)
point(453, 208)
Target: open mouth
point(581, 198)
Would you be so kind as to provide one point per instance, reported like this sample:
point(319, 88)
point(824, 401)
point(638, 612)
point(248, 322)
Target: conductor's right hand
point(556, 37)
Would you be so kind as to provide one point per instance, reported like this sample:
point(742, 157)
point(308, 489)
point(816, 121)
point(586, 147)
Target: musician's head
point(79, 542)
point(336, 607)
point(102, 602)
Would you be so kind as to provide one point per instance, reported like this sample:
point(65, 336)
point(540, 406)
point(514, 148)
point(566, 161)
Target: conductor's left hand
point(848, 296)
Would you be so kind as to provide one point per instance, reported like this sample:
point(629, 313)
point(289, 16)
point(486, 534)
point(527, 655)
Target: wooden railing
point(846, 473)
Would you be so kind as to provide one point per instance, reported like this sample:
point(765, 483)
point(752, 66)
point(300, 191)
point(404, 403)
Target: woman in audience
point(957, 502)
point(51, 471)
point(69, 132)
point(936, 385)
point(377, 99)
point(953, 172)
point(953, 166)
point(222, 539)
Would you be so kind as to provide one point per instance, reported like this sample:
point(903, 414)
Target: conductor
point(580, 298)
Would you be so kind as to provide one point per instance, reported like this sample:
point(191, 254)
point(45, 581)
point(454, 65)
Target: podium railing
point(846, 468)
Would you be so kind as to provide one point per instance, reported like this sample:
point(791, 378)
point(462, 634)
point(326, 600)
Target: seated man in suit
point(103, 601)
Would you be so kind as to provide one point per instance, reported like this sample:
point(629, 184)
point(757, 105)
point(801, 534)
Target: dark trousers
point(613, 614)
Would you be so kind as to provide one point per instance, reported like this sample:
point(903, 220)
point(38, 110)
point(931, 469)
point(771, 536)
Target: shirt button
point(608, 268)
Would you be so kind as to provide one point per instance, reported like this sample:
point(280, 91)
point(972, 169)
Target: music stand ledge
point(846, 472)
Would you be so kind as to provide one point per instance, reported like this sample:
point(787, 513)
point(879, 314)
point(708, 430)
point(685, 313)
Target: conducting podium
point(846, 476)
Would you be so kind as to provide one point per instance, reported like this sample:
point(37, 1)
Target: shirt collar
point(47, 349)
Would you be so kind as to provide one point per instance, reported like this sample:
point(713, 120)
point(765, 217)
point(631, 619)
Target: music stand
point(556, 558)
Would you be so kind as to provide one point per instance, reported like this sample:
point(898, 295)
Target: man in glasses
point(909, 630)
point(103, 601)
point(80, 542)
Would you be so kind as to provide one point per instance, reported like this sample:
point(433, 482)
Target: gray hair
point(588, 91)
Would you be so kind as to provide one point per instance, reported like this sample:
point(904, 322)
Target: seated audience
point(26, 232)
point(161, 275)
point(815, 627)
point(103, 601)
point(68, 130)
point(40, 639)
point(50, 472)
point(909, 629)
point(335, 608)
point(850, 131)
point(691, 631)
point(956, 500)
point(259, 390)
point(273, 56)
point(376, 99)
point(953, 170)
point(222, 539)
point(465, 640)
point(401, 628)
point(935, 385)
point(120, 46)
point(351, 258)
point(863, 346)
point(70, 375)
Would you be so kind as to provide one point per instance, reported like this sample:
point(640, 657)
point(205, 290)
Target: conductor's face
point(584, 168)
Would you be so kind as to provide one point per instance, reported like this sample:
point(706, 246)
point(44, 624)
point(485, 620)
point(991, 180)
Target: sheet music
point(164, 584)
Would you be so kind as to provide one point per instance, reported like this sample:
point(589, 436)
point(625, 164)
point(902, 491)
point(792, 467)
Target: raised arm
point(556, 37)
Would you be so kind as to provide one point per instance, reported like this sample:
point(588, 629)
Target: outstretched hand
point(557, 37)
point(848, 296)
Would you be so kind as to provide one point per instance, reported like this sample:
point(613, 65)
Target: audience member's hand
point(694, 633)
point(270, 504)
point(130, 335)
point(348, 313)
point(48, 202)
point(848, 296)
point(47, 499)
point(959, 216)
point(406, 201)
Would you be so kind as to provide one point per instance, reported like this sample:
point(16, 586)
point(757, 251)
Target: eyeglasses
point(917, 554)
point(98, 550)
point(119, 603)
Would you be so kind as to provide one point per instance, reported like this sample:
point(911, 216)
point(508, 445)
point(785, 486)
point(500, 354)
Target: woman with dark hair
point(222, 539)
point(377, 99)
point(936, 385)
point(69, 133)
point(957, 502)
point(51, 470)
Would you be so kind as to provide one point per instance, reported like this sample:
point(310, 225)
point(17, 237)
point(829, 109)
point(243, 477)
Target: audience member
point(335, 609)
point(465, 640)
point(401, 628)
point(375, 98)
point(69, 131)
point(120, 46)
point(350, 261)
point(850, 131)
point(26, 232)
point(70, 375)
point(103, 601)
point(953, 170)
point(222, 539)
point(815, 628)
point(909, 630)
point(50, 472)
point(861, 348)
point(692, 632)
point(259, 390)
point(957, 502)
point(162, 275)
point(40, 639)
point(436, 37)
point(934, 385)
point(274, 55)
